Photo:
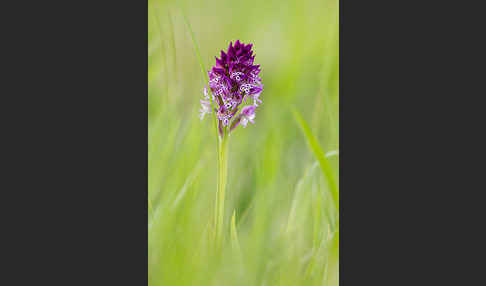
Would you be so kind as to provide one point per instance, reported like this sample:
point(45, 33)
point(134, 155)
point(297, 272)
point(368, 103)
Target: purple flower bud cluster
point(233, 81)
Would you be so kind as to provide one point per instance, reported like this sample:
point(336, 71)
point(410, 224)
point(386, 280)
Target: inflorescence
point(232, 81)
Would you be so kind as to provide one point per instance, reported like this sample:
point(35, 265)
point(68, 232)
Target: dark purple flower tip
point(231, 81)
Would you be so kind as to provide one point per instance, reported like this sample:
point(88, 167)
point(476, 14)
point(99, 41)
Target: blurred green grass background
point(286, 221)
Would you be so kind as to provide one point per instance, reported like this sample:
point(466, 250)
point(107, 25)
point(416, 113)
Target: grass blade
point(291, 220)
point(187, 184)
point(321, 158)
point(203, 70)
point(235, 244)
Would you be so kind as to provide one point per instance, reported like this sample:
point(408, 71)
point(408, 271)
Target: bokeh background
point(286, 222)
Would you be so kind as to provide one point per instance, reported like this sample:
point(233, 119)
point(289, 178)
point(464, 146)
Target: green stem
point(220, 193)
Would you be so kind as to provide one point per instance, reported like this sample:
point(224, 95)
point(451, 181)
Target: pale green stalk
point(220, 193)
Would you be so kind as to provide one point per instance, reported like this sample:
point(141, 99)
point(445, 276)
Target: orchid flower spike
point(232, 80)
